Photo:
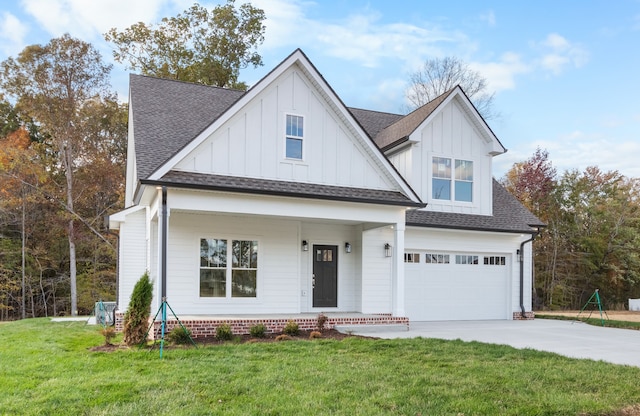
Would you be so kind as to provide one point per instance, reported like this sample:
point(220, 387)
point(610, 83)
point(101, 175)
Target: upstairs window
point(294, 137)
point(452, 179)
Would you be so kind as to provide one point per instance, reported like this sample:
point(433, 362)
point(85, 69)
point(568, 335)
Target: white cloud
point(90, 19)
point(489, 17)
point(12, 33)
point(558, 54)
point(501, 74)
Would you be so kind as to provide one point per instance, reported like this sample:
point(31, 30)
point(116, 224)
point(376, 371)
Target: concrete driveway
point(568, 338)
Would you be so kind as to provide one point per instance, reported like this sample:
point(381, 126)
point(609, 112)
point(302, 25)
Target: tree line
point(592, 238)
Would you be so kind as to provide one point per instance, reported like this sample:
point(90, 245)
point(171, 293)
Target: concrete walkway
point(568, 338)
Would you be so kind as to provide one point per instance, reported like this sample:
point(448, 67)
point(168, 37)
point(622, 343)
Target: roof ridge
point(185, 82)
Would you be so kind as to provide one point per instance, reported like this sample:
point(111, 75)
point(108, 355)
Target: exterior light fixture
point(519, 254)
point(387, 250)
point(347, 247)
point(305, 245)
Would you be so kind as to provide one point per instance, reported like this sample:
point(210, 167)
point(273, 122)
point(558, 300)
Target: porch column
point(398, 269)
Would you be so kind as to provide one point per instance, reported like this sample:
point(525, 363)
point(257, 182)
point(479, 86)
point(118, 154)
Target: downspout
point(163, 294)
point(533, 236)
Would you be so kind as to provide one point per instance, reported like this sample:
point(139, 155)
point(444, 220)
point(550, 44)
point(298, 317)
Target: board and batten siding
point(448, 133)
point(252, 142)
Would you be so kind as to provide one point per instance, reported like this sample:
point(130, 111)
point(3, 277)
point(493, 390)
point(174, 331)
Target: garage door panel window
point(436, 258)
point(495, 260)
point(466, 259)
point(412, 257)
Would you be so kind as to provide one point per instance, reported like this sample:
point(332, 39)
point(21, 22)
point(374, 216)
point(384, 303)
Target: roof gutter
point(521, 251)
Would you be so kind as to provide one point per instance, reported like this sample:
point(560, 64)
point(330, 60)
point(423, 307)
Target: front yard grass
point(46, 368)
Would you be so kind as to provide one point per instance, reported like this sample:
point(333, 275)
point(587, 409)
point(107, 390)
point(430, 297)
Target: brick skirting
point(206, 327)
point(517, 316)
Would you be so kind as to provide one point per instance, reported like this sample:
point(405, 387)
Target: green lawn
point(47, 369)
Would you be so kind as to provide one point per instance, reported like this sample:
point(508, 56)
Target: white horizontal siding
point(278, 251)
point(133, 255)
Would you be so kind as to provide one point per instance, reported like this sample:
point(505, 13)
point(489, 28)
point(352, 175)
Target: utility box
point(105, 313)
point(634, 304)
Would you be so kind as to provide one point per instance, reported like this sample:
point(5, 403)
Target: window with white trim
point(436, 258)
point(452, 179)
point(294, 137)
point(412, 257)
point(224, 266)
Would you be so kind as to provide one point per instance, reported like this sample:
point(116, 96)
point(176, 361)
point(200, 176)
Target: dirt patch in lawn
point(241, 339)
point(628, 316)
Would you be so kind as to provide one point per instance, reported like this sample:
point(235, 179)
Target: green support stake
point(595, 300)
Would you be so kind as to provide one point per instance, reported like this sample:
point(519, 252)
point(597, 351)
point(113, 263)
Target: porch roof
point(192, 180)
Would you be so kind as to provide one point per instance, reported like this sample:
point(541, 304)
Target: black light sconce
point(519, 254)
point(347, 247)
point(387, 250)
point(305, 245)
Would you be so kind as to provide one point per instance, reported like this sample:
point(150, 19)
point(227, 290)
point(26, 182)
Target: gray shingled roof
point(168, 114)
point(373, 121)
point(406, 125)
point(282, 188)
point(509, 215)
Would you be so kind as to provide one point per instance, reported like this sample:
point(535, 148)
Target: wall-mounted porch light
point(305, 245)
point(519, 254)
point(347, 247)
point(387, 250)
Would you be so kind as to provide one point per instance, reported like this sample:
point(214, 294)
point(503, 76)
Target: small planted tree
point(136, 318)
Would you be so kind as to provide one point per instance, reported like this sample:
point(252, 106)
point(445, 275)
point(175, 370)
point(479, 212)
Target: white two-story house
point(283, 201)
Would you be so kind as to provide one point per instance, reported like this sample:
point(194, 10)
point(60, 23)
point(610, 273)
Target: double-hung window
point(224, 266)
point(452, 179)
point(294, 137)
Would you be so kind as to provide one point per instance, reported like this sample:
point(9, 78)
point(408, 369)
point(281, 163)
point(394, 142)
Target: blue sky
point(565, 73)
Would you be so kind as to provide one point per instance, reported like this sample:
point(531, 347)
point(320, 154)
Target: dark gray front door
point(325, 276)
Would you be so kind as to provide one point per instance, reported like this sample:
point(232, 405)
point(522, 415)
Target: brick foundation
point(206, 327)
point(517, 316)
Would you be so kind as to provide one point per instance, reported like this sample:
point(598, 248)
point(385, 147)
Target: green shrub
point(136, 319)
point(224, 333)
point(179, 335)
point(291, 328)
point(258, 330)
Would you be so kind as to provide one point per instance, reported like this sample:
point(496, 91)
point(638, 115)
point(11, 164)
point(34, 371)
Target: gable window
point(445, 172)
point(224, 266)
point(294, 137)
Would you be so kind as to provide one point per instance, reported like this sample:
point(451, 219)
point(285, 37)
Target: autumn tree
point(202, 46)
point(439, 75)
point(51, 85)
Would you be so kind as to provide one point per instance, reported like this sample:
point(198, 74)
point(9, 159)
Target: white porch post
point(398, 269)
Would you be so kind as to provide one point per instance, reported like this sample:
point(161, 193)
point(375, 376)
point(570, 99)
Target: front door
point(325, 276)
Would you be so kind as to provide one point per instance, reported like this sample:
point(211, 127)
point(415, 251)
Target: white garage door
point(456, 286)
